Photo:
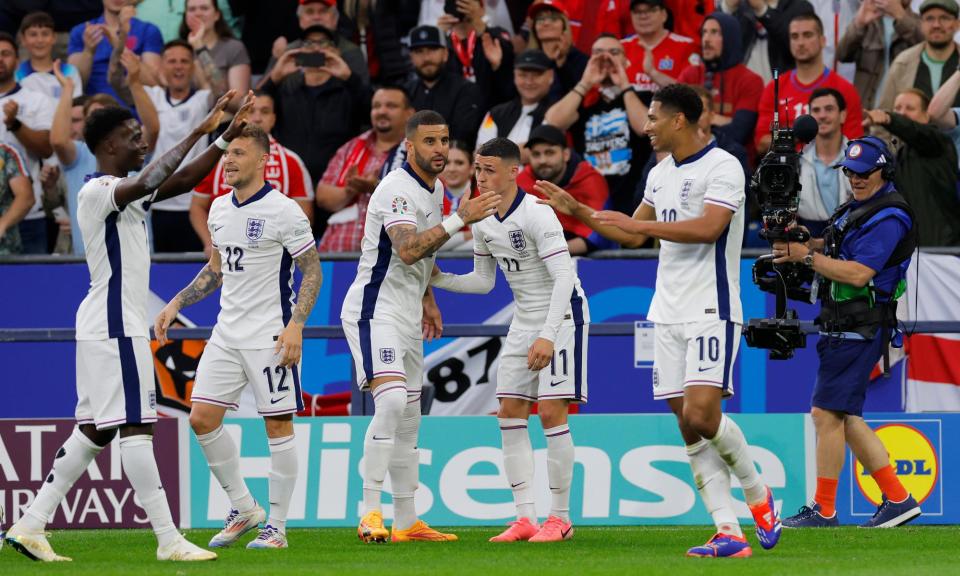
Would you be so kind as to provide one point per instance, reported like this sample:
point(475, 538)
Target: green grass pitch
point(913, 550)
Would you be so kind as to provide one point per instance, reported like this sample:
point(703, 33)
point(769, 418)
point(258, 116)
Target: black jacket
point(455, 98)
point(775, 23)
point(505, 115)
point(315, 121)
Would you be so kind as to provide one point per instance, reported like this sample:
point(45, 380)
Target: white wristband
point(221, 143)
point(452, 224)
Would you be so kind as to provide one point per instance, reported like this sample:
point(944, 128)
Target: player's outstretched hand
point(473, 210)
point(540, 354)
point(556, 197)
point(241, 118)
point(164, 319)
point(432, 323)
point(215, 116)
point(289, 345)
point(618, 219)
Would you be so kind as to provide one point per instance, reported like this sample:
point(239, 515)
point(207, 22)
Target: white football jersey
point(257, 241)
point(385, 288)
point(35, 110)
point(527, 235)
point(698, 281)
point(177, 120)
point(118, 256)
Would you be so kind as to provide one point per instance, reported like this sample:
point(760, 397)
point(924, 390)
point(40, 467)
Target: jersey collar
point(406, 166)
point(14, 90)
point(260, 194)
point(513, 207)
point(184, 101)
point(694, 157)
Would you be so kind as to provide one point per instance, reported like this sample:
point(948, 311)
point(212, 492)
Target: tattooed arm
point(290, 341)
point(412, 246)
point(206, 283)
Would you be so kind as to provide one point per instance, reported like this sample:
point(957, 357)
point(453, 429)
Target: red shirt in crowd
point(591, 18)
point(794, 98)
point(345, 227)
point(585, 184)
point(671, 56)
point(688, 16)
point(284, 171)
point(737, 88)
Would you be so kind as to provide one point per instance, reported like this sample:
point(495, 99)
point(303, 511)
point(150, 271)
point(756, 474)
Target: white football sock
point(224, 461)
point(712, 478)
point(732, 447)
point(560, 454)
point(405, 465)
point(518, 463)
point(389, 400)
point(140, 466)
point(71, 460)
point(283, 477)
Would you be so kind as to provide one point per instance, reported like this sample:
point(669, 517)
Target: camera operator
point(862, 259)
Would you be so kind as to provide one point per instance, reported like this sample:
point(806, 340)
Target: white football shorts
point(694, 354)
point(115, 382)
point(380, 350)
point(564, 378)
point(223, 373)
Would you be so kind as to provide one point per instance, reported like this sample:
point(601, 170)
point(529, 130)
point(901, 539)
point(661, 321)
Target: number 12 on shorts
point(281, 372)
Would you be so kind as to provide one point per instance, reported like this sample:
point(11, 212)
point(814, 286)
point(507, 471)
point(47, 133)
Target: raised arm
point(206, 283)
point(141, 100)
point(703, 230)
point(480, 280)
point(941, 106)
point(60, 138)
point(82, 58)
point(565, 112)
point(184, 179)
point(561, 201)
point(412, 246)
point(36, 142)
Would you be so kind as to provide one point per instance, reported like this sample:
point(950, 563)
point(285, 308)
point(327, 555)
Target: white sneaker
point(236, 525)
point(33, 545)
point(182, 550)
point(269, 537)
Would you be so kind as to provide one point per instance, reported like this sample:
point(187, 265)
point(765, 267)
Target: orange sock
point(826, 496)
point(889, 484)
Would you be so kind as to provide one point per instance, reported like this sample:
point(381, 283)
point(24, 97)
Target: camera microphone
point(805, 128)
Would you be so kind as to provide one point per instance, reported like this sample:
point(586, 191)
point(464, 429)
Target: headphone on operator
point(889, 167)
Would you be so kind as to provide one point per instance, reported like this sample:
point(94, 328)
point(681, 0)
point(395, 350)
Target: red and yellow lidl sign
point(913, 457)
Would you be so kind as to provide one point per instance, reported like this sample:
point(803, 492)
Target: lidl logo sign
point(915, 449)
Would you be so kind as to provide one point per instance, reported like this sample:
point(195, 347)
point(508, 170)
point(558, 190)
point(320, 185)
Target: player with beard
point(806, 45)
point(403, 230)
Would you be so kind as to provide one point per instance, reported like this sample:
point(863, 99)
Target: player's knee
point(128, 430)
point(514, 408)
point(202, 422)
point(701, 420)
point(825, 419)
point(553, 413)
point(99, 437)
point(279, 426)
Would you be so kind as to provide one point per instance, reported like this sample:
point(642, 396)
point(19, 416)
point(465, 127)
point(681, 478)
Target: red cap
point(542, 5)
point(327, 2)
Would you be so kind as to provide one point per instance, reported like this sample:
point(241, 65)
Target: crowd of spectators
point(570, 81)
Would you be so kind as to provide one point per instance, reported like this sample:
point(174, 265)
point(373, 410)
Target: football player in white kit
point(383, 323)
point(115, 378)
point(545, 355)
point(693, 203)
point(257, 234)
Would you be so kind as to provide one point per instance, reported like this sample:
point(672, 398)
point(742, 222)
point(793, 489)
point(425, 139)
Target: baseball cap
point(648, 2)
point(426, 36)
point(946, 5)
point(327, 2)
point(542, 5)
point(532, 60)
point(548, 135)
point(322, 30)
point(865, 154)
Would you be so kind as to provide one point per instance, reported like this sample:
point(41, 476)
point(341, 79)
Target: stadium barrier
point(630, 470)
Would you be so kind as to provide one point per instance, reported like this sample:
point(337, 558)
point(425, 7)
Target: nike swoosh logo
point(515, 485)
point(217, 228)
point(558, 383)
point(428, 214)
point(563, 533)
point(384, 438)
point(278, 400)
point(702, 369)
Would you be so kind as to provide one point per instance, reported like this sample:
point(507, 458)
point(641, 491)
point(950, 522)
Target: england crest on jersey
point(254, 228)
point(517, 241)
point(387, 355)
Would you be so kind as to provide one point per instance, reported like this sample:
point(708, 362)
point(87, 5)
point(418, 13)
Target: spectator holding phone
point(320, 103)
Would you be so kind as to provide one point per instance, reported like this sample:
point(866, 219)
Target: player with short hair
point(115, 386)
point(257, 234)
point(402, 233)
point(693, 203)
point(549, 330)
